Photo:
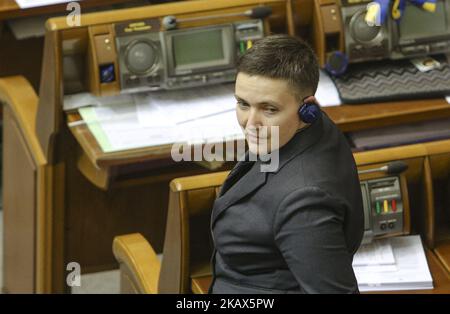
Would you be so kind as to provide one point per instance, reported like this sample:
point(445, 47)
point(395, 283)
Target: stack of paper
point(397, 263)
point(129, 121)
point(376, 253)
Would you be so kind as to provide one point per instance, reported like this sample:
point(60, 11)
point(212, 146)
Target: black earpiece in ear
point(309, 111)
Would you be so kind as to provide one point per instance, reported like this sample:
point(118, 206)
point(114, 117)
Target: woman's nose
point(253, 118)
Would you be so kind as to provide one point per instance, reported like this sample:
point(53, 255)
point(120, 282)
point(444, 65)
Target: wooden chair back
point(188, 245)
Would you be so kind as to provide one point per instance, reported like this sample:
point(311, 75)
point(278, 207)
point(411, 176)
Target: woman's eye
point(271, 110)
point(242, 104)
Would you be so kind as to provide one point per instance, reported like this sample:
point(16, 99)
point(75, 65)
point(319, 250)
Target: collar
point(301, 140)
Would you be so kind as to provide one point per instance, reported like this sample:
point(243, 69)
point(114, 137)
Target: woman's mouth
point(254, 138)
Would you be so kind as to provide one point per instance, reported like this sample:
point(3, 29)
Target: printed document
point(409, 272)
point(129, 121)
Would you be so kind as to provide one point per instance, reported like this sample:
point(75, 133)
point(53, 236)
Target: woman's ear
point(309, 110)
point(310, 99)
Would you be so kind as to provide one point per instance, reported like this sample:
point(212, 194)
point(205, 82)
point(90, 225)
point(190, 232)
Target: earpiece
point(309, 111)
point(260, 12)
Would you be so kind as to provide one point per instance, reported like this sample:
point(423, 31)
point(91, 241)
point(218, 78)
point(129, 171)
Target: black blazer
point(294, 230)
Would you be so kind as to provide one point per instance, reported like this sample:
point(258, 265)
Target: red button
point(394, 206)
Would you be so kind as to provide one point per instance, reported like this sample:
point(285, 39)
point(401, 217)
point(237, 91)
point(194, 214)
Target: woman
point(295, 229)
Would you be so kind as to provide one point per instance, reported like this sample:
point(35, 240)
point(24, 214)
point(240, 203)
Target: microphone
point(260, 12)
point(394, 167)
point(170, 22)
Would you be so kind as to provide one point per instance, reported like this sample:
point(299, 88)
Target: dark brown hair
point(283, 57)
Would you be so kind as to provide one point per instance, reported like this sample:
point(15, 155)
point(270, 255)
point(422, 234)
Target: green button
point(378, 207)
point(242, 46)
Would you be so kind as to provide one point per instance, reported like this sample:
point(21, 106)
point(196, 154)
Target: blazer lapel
point(237, 189)
point(238, 170)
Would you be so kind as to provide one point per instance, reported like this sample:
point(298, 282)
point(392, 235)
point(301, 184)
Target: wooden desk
point(200, 285)
point(104, 169)
point(365, 116)
point(16, 52)
point(95, 154)
point(442, 251)
point(441, 280)
point(347, 117)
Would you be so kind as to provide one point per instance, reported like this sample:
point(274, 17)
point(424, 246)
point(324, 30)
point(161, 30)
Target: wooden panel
point(19, 188)
point(442, 251)
point(56, 227)
point(331, 18)
point(188, 246)
point(181, 9)
point(302, 11)
point(98, 54)
point(290, 23)
point(199, 201)
point(96, 218)
point(19, 96)
point(440, 166)
point(49, 116)
point(407, 213)
point(172, 270)
point(429, 219)
point(93, 217)
point(126, 284)
point(139, 265)
point(21, 100)
point(377, 115)
point(16, 58)
point(318, 33)
point(200, 285)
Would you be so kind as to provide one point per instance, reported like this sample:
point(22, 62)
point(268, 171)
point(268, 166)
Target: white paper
point(25, 4)
point(411, 271)
point(80, 100)
point(375, 253)
point(425, 64)
point(150, 119)
point(181, 106)
point(213, 129)
point(120, 124)
point(327, 94)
